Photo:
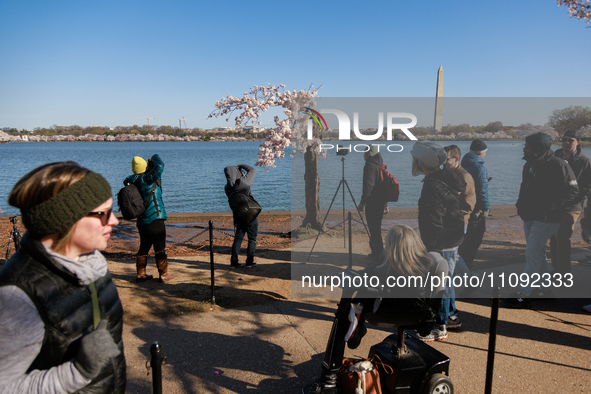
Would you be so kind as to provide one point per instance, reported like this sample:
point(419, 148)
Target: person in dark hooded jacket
point(373, 199)
point(239, 179)
point(548, 188)
point(441, 222)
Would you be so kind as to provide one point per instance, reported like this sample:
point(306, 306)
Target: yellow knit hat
point(138, 165)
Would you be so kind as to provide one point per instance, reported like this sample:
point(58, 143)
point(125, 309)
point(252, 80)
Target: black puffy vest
point(66, 309)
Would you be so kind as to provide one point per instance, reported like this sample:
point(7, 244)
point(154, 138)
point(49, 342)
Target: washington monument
point(438, 102)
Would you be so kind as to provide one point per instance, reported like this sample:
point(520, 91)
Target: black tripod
point(342, 182)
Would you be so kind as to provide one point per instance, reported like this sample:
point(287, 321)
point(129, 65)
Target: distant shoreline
point(505, 210)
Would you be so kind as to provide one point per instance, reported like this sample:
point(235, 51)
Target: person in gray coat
point(238, 180)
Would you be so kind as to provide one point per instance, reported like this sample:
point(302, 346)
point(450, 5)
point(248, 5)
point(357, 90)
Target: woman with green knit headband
point(61, 315)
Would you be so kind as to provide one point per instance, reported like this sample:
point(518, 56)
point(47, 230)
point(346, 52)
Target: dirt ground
point(190, 257)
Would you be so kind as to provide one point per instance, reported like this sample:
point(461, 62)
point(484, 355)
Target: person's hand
point(586, 235)
point(360, 207)
point(96, 349)
point(386, 210)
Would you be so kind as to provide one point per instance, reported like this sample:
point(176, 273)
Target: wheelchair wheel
point(439, 384)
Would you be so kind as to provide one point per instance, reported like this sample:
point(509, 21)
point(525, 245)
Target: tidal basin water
point(193, 179)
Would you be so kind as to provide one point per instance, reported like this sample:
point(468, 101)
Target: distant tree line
point(576, 118)
point(145, 130)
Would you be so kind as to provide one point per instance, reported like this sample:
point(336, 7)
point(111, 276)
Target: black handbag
point(245, 207)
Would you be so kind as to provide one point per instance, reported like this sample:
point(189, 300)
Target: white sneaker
point(438, 333)
point(453, 323)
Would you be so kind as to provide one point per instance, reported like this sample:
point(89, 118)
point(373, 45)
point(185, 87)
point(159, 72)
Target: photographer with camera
point(150, 224)
point(374, 198)
point(238, 181)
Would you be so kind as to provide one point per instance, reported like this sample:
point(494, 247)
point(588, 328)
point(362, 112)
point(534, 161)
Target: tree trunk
point(312, 186)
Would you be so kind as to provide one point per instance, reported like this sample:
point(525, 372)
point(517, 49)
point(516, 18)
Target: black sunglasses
point(103, 214)
point(566, 139)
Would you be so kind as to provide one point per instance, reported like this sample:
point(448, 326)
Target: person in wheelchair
point(404, 255)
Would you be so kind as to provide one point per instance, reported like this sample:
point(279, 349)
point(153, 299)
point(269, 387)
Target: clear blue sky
point(98, 63)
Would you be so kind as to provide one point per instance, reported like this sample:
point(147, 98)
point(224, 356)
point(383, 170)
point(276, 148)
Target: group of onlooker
point(454, 207)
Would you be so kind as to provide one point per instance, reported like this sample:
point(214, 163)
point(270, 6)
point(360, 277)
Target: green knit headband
point(64, 209)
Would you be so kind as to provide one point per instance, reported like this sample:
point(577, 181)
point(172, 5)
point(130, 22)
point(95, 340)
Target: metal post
point(211, 259)
point(156, 364)
point(492, 341)
point(343, 161)
point(350, 242)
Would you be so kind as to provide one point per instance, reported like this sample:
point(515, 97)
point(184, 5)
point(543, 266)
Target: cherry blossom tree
point(528, 129)
point(584, 133)
point(580, 9)
point(290, 131)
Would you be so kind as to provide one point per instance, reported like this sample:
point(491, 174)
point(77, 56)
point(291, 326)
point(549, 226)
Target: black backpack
point(130, 201)
point(245, 208)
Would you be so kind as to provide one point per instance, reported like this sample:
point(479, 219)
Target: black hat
point(478, 146)
point(571, 134)
point(538, 142)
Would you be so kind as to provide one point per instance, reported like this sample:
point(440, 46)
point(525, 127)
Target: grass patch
point(303, 232)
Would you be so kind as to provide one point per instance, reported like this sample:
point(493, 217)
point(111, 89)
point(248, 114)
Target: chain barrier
point(227, 234)
point(191, 238)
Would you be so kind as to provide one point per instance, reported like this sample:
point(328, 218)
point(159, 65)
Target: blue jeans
point(537, 235)
point(461, 267)
point(448, 302)
point(251, 230)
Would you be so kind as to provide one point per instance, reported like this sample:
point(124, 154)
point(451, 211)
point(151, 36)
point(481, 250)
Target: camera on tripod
point(342, 151)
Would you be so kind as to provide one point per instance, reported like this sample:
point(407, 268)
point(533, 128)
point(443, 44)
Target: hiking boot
point(141, 262)
point(438, 333)
point(453, 323)
point(162, 264)
point(516, 300)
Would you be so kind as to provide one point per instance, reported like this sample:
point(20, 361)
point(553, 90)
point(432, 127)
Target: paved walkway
point(278, 347)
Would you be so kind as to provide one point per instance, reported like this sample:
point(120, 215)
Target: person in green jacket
point(146, 176)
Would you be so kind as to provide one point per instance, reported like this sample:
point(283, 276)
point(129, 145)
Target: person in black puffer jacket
point(548, 188)
point(441, 222)
point(62, 319)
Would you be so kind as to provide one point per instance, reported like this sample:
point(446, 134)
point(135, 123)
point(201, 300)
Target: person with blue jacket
point(146, 176)
point(473, 162)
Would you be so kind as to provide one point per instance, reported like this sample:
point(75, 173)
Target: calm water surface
point(193, 179)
